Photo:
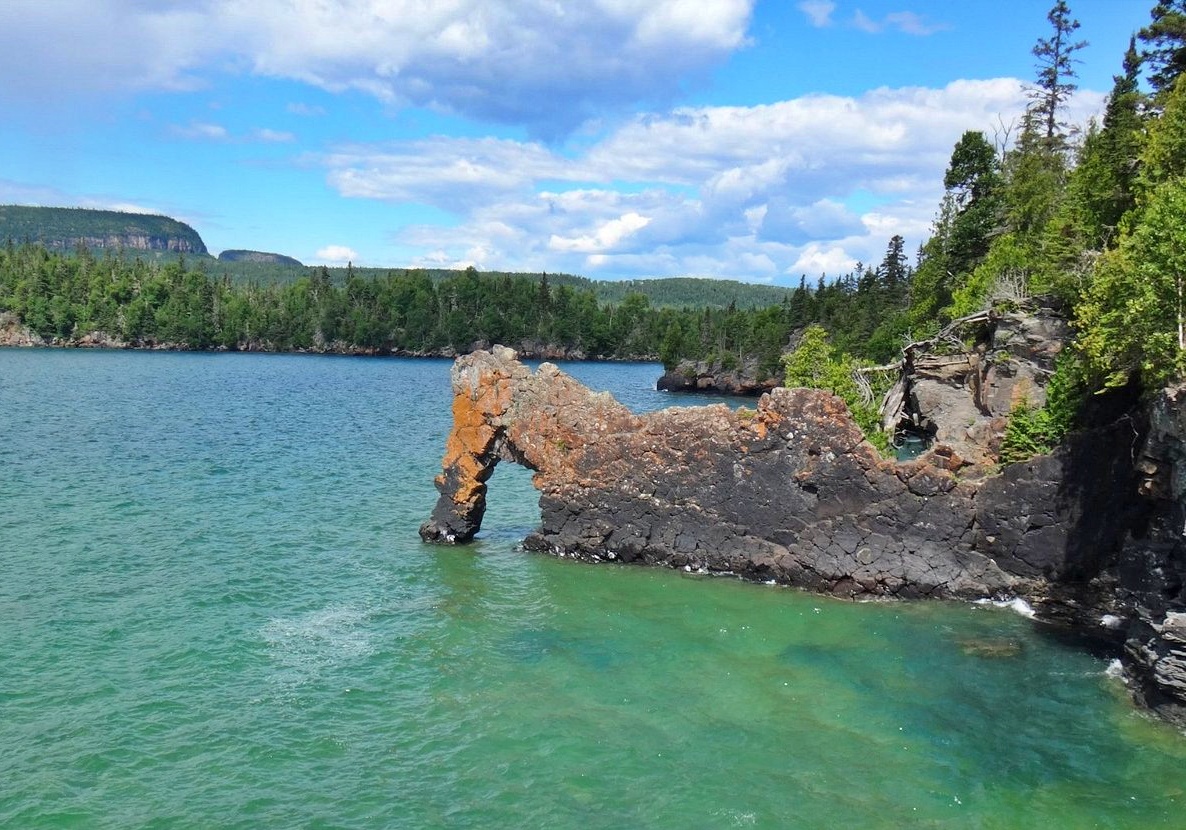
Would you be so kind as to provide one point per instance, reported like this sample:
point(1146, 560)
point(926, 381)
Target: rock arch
point(789, 492)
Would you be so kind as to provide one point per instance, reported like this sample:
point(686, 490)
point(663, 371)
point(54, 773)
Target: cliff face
point(1151, 577)
point(127, 241)
point(963, 396)
point(792, 493)
point(65, 229)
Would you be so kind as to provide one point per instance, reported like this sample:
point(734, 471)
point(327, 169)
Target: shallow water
point(216, 612)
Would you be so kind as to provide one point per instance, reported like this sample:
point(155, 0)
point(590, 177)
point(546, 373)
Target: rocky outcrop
point(534, 349)
point(15, 333)
point(744, 379)
point(791, 493)
point(962, 395)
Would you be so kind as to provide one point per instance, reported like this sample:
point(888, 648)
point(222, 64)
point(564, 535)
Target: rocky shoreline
point(744, 379)
point(792, 493)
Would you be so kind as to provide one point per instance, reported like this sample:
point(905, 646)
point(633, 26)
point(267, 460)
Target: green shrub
point(1030, 432)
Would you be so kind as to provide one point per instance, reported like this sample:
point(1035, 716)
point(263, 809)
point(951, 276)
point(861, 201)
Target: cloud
point(338, 254)
point(200, 131)
point(818, 259)
point(799, 224)
point(21, 193)
point(913, 24)
point(263, 134)
point(539, 63)
point(450, 173)
point(305, 110)
point(806, 185)
point(819, 12)
point(607, 237)
point(909, 23)
point(204, 131)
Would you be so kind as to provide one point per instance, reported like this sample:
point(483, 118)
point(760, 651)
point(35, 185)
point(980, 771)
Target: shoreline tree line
point(147, 302)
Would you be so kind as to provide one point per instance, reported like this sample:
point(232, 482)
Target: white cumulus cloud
point(808, 185)
point(605, 238)
point(336, 254)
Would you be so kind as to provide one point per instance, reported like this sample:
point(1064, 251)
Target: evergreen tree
point(893, 271)
point(1165, 37)
point(1164, 155)
point(1055, 71)
point(1102, 186)
point(963, 230)
point(1133, 321)
point(973, 180)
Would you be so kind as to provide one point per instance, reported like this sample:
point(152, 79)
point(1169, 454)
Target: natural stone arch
point(790, 492)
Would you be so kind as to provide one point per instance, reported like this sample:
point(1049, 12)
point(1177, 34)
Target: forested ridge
point(64, 229)
point(179, 303)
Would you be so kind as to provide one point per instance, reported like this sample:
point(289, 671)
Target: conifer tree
point(1165, 37)
point(1055, 72)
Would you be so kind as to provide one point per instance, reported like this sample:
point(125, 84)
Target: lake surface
point(215, 611)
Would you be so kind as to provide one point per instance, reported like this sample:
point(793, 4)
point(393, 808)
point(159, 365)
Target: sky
point(758, 140)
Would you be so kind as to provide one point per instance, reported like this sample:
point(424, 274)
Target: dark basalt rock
point(792, 493)
point(1151, 573)
point(746, 379)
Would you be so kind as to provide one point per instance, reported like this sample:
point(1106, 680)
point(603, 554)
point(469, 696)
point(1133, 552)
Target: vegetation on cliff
point(65, 229)
point(238, 255)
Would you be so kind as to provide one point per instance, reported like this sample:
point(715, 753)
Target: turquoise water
point(215, 612)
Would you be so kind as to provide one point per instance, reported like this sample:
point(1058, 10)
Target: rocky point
point(791, 492)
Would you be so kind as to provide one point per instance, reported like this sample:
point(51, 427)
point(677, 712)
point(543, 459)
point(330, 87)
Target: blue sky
point(747, 139)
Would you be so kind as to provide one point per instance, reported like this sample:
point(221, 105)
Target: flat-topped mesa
point(790, 492)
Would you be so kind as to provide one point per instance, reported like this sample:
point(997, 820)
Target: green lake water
point(215, 611)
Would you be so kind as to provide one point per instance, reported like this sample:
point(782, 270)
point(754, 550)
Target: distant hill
point(666, 292)
point(669, 292)
point(259, 256)
point(677, 292)
point(64, 229)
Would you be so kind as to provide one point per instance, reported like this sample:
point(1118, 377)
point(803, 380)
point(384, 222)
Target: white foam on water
point(1015, 604)
point(304, 647)
point(1116, 671)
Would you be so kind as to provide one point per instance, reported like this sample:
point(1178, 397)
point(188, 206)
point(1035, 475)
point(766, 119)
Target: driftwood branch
point(949, 334)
